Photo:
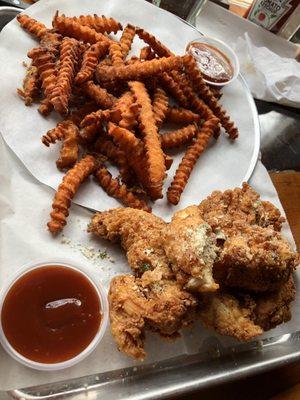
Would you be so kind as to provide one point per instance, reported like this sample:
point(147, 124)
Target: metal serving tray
point(175, 376)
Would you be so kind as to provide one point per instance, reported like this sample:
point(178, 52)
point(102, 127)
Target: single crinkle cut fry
point(68, 60)
point(181, 116)
point(90, 61)
point(138, 70)
point(115, 54)
point(179, 137)
point(174, 89)
point(204, 92)
point(134, 150)
point(100, 24)
point(160, 49)
point(69, 151)
point(100, 95)
point(45, 60)
point(160, 106)
point(119, 191)
point(189, 160)
point(31, 84)
point(53, 135)
point(68, 27)
point(154, 153)
point(127, 39)
point(32, 26)
point(67, 190)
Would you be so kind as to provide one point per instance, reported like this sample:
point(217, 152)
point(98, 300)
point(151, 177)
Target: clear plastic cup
point(93, 344)
point(224, 48)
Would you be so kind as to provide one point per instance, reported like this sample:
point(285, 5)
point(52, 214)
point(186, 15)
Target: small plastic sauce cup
point(225, 49)
point(90, 347)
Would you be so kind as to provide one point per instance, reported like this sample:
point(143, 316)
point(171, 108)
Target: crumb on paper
point(89, 252)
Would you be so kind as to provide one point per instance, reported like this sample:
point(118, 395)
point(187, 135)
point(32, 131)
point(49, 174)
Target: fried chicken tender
point(137, 304)
point(223, 209)
point(140, 234)
point(223, 313)
point(254, 258)
point(245, 316)
point(253, 255)
point(190, 245)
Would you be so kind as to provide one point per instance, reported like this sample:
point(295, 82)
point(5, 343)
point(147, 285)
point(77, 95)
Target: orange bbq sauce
point(213, 63)
point(51, 314)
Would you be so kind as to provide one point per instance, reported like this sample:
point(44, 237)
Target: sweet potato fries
point(115, 106)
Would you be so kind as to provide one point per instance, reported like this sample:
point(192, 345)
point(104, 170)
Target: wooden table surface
point(278, 384)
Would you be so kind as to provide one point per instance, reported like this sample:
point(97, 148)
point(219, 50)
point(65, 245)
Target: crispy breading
point(222, 209)
point(272, 309)
point(140, 234)
point(137, 304)
point(190, 245)
point(254, 258)
point(223, 313)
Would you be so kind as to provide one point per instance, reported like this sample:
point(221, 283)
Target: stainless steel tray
point(175, 376)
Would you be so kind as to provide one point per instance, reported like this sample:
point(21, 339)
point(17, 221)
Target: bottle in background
point(274, 15)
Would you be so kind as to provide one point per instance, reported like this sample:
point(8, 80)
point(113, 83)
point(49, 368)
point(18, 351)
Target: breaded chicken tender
point(223, 313)
point(140, 234)
point(245, 316)
point(190, 245)
point(138, 304)
point(222, 210)
point(252, 255)
point(254, 258)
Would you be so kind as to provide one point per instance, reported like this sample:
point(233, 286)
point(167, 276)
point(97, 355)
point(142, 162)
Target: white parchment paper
point(23, 126)
point(24, 211)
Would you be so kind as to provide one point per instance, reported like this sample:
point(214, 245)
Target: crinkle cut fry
point(45, 107)
point(133, 148)
point(68, 59)
point(119, 191)
point(115, 54)
point(179, 137)
point(160, 49)
point(116, 156)
point(192, 99)
point(53, 135)
point(90, 61)
point(174, 89)
point(128, 110)
point(138, 70)
point(181, 116)
point(32, 26)
point(127, 39)
point(160, 106)
point(31, 84)
point(202, 88)
point(99, 95)
point(154, 153)
point(67, 190)
point(69, 151)
point(45, 61)
point(100, 24)
point(189, 160)
point(68, 27)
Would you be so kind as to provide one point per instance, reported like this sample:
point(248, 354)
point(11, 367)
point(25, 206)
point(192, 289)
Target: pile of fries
point(114, 107)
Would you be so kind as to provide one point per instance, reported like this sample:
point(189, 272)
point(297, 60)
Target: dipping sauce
point(51, 314)
point(213, 63)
